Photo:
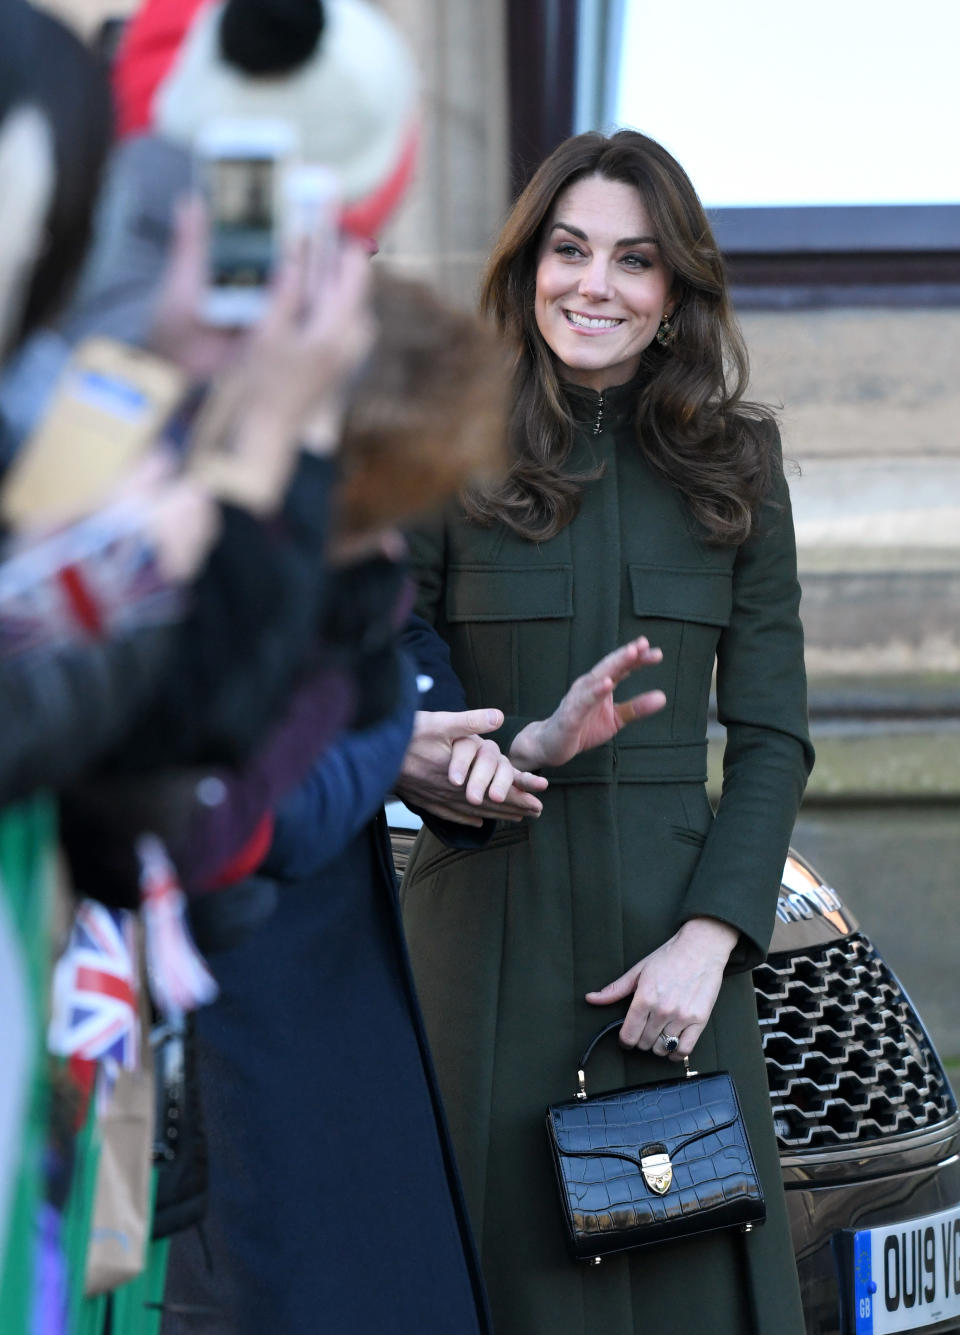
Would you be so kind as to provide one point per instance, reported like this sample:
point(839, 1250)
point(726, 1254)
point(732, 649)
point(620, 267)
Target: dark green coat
point(506, 940)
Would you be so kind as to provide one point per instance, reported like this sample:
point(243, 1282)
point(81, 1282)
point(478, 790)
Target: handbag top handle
point(588, 1053)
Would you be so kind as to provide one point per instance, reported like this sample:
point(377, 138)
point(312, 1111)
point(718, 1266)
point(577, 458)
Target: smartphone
point(110, 406)
point(242, 167)
point(310, 210)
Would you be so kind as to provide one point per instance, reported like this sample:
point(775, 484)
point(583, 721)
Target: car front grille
point(847, 1059)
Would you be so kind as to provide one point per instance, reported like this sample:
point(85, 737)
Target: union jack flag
point(94, 1011)
point(96, 577)
point(179, 978)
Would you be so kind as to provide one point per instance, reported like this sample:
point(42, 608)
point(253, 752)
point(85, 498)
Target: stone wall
point(870, 411)
point(858, 383)
point(444, 230)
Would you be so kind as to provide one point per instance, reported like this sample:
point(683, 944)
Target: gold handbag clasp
point(656, 1168)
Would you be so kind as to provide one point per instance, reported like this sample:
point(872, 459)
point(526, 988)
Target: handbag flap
point(625, 1123)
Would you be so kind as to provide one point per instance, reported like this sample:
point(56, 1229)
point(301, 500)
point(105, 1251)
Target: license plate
point(907, 1275)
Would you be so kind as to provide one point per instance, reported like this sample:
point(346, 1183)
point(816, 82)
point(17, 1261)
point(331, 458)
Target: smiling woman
point(646, 505)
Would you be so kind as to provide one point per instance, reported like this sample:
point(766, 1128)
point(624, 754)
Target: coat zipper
point(598, 424)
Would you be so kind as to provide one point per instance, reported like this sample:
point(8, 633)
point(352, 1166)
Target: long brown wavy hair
point(694, 425)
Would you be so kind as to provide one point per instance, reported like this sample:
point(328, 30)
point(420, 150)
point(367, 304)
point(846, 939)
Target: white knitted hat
point(340, 72)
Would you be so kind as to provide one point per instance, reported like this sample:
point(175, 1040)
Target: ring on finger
point(670, 1042)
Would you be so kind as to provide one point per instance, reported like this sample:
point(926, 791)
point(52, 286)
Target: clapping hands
point(455, 772)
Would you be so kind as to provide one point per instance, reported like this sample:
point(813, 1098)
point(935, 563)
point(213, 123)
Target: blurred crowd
point(211, 678)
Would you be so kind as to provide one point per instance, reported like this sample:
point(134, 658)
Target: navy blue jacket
point(334, 1197)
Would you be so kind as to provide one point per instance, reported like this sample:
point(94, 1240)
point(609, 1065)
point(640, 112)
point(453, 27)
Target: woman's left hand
point(674, 988)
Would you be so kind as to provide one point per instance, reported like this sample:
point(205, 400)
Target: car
point(866, 1121)
point(865, 1118)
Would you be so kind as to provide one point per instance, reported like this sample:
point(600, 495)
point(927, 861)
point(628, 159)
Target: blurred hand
point(176, 512)
point(184, 523)
point(457, 774)
point(348, 549)
point(202, 351)
point(317, 332)
point(588, 716)
point(288, 389)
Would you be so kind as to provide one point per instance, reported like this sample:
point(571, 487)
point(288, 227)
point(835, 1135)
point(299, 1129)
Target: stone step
point(878, 547)
point(905, 761)
point(884, 621)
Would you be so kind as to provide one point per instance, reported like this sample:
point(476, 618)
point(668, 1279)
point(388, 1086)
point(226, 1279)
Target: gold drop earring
point(666, 332)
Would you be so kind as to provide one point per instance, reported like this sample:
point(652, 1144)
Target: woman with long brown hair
point(646, 499)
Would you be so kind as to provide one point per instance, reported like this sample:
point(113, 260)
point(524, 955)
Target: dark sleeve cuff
point(471, 836)
point(507, 733)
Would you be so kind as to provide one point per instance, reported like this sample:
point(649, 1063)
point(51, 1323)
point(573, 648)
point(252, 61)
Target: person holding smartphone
point(66, 704)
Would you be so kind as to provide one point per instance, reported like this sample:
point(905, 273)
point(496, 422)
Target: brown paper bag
point(120, 1225)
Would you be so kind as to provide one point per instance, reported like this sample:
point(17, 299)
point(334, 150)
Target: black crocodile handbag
point(652, 1163)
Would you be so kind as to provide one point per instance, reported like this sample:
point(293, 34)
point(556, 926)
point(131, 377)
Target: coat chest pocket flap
point(682, 594)
point(509, 593)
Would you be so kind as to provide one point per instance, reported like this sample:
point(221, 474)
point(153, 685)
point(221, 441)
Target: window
point(822, 137)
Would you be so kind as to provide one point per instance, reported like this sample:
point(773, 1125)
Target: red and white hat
point(339, 71)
